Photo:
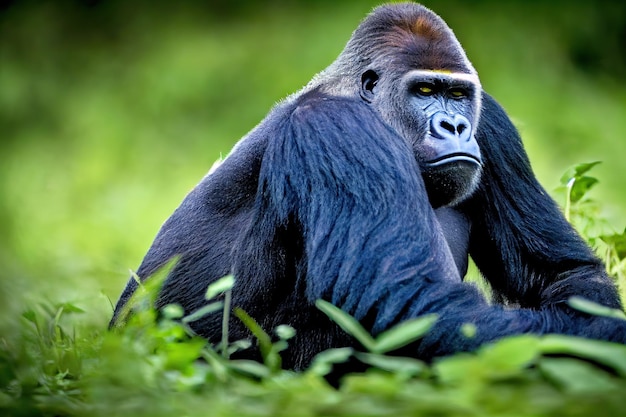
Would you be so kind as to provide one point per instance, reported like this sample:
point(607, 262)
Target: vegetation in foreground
point(54, 365)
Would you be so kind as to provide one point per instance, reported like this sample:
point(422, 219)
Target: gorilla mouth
point(450, 158)
point(451, 179)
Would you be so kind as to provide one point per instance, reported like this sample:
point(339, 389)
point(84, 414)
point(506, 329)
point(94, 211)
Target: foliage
point(156, 365)
point(585, 214)
point(157, 368)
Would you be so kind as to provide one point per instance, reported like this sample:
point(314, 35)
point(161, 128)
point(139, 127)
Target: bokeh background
point(111, 111)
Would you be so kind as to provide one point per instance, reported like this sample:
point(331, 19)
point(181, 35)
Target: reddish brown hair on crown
point(409, 35)
point(423, 28)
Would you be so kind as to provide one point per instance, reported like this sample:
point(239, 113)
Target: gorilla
point(369, 188)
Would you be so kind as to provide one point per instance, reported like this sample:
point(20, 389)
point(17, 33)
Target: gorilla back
point(369, 189)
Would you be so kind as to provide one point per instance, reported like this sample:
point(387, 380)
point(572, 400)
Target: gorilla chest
point(456, 229)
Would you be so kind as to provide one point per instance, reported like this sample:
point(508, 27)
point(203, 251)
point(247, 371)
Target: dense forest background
point(111, 111)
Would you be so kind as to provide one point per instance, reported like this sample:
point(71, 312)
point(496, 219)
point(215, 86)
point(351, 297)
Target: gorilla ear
point(369, 79)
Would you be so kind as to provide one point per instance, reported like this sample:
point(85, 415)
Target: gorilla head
point(406, 62)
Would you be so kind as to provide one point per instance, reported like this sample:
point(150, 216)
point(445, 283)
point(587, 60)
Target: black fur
point(324, 200)
point(520, 240)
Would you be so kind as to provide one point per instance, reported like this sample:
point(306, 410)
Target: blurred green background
point(111, 111)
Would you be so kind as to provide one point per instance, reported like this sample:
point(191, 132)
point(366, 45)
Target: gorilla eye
point(458, 93)
point(425, 89)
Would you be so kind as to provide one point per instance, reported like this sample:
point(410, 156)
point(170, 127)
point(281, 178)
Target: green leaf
point(323, 362)
point(595, 309)
point(395, 364)
point(238, 345)
point(220, 286)
point(30, 316)
point(403, 334)
point(576, 376)
point(577, 171)
point(154, 282)
point(617, 241)
point(285, 332)
point(265, 342)
point(458, 368)
point(348, 323)
point(218, 364)
point(204, 311)
point(142, 301)
point(70, 308)
point(248, 367)
point(580, 187)
point(469, 330)
point(577, 184)
point(608, 354)
point(172, 311)
point(269, 352)
point(511, 354)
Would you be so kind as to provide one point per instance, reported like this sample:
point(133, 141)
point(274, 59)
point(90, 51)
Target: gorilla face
point(437, 113)
point(448, 153)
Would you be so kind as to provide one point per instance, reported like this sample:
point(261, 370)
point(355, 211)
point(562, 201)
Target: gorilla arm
point(520, 240)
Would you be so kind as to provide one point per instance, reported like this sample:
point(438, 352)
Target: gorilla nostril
point(447, 126)
point(461, 128)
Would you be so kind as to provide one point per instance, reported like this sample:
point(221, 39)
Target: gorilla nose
point(446, 126)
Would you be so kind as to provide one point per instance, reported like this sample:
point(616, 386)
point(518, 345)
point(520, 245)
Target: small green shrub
point(585, 214)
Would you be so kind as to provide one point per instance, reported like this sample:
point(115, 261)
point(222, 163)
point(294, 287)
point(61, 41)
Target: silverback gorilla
point(369, 188)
